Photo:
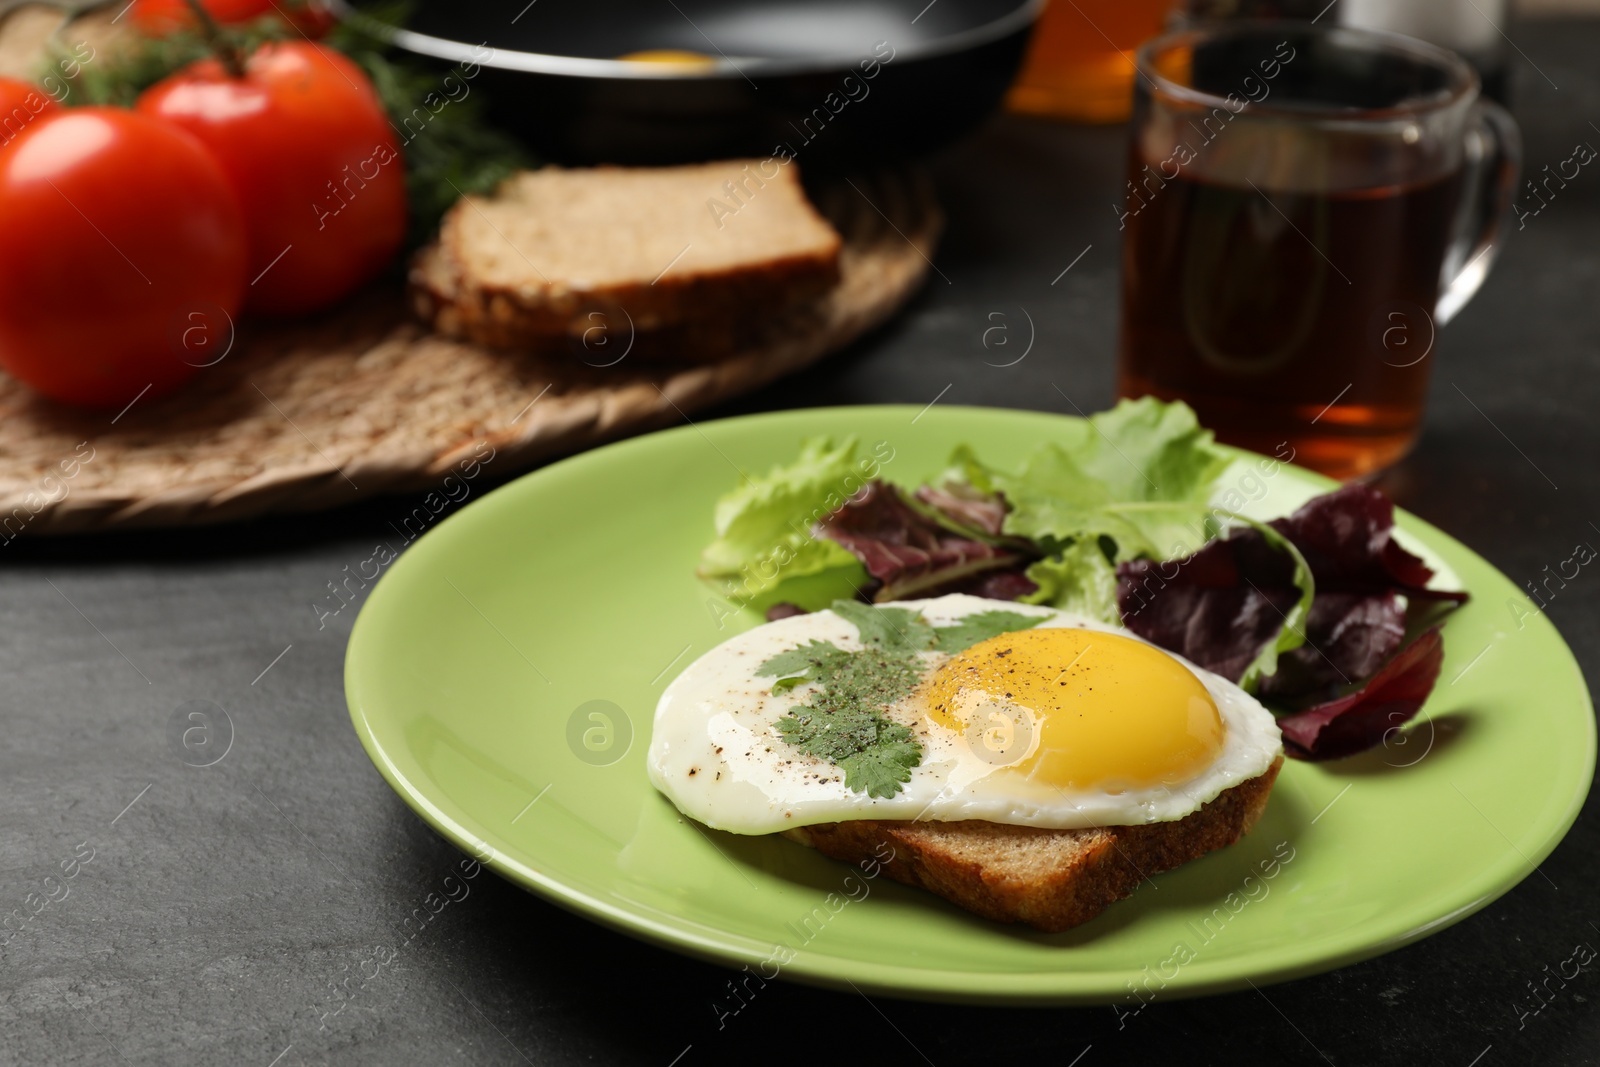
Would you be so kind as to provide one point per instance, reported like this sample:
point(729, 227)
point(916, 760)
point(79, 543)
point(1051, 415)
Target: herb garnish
point(844, 722)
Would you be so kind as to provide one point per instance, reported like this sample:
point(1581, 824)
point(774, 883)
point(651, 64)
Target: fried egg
point(1069, 724)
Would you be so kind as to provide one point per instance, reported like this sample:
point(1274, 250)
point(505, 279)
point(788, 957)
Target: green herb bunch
point(450, 147)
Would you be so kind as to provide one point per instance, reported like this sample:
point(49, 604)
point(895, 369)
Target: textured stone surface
point(220, 910)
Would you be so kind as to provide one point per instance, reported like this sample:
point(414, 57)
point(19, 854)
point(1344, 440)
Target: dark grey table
point(222, 905)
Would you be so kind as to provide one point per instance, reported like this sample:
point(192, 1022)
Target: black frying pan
point(834, 82)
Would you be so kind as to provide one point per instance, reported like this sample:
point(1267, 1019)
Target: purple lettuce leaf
point(1216, 608)
point(967, 505)
point(1362, 719)
point(1219, 606)
point(906, 551)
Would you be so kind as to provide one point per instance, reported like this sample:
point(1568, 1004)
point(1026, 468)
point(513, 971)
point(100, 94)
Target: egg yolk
point(1080, 709)
point(670, 56)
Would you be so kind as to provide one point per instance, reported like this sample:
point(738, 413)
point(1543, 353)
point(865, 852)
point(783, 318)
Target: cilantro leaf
point(894, 629)
point(833, 737)
point(808, 663)
point(883, 770)
point(876, 755)
point(982, 626)
point(844, 722)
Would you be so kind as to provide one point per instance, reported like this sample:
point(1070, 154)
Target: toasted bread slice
point(435, 291)
point(695, 247)
point(1051, 879)
point(597, 337)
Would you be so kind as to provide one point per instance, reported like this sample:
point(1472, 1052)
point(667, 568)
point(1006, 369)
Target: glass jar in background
point(1080, 62)
point(1305, 207)
point(1474, 28)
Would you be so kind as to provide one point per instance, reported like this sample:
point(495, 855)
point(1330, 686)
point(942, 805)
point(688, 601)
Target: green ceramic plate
point(503, 676)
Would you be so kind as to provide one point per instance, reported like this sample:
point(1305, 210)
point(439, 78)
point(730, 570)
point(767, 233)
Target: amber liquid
point(1301, 322)
point(1080, 60)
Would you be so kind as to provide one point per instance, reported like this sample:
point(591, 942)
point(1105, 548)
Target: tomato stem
point(227, 54)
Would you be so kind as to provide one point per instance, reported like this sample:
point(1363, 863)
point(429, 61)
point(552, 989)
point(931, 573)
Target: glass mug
point(1305, 207)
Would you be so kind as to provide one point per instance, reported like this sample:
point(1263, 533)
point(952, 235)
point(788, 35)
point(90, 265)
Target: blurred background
point(216, 523)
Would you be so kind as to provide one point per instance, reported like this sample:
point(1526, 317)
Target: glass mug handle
point(1493, 161)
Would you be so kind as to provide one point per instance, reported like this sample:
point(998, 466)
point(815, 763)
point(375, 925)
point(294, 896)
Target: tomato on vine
point(115, 230)
point(308, 148)
point(158, 18)
point(21, 105)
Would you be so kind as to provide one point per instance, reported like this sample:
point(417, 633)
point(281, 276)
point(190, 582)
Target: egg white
point(716, 754)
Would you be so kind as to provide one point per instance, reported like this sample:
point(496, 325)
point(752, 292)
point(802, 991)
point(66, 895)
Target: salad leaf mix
point(1125, 520)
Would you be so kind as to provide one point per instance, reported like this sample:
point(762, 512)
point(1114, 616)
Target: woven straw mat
point(366, 400)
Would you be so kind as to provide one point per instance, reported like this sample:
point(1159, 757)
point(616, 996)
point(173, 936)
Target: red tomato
point(116, 232)
point(20, 104)
point(157, 18)
point(309, 149)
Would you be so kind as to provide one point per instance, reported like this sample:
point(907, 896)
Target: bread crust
point(438, 299)
point(1050, 879)
point(691, 315)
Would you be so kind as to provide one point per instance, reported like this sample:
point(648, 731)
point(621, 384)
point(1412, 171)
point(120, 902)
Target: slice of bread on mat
point(1050, 879)
point(698, 255)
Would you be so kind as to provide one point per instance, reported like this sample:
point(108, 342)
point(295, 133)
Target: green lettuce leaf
point(1140, 451)
point(1071, 498)
point(1080, 578)
point(764, 552)
point(1153, 451)
point(1084, 502)
point(1054, 500)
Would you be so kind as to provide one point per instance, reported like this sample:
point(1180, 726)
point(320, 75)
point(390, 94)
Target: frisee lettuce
point(1069, 498)
point(1062, 507)
point(1068, 490)
point(1080, 577)
point(764, 552)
